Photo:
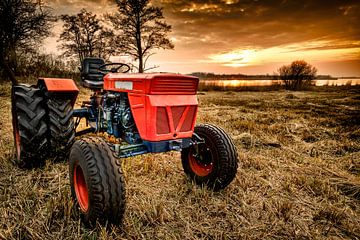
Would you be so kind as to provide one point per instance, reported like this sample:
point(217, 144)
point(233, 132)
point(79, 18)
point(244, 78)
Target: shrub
point(298, 75)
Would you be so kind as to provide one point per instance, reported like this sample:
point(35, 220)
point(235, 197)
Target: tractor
point(144, 113)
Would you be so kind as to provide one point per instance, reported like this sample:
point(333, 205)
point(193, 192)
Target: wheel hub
point(200, 160)
point(81, 190)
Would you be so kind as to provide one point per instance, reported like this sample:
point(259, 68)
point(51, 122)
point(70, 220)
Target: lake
point(254, 83)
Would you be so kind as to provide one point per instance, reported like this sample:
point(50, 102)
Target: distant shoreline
point(223, 84)
point(257, 78)
point(212, 77)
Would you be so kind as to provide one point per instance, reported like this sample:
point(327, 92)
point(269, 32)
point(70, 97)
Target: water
point(338, 82)
point(261, 83)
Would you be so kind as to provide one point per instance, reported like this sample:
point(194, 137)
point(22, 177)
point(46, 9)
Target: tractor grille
point(176, 114)
point(173, 86)
point(189, 119)
point(162, 121)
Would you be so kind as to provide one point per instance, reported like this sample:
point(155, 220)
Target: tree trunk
point(8, 72)
point(139, 47)
point(141, 69)
point(12, 60)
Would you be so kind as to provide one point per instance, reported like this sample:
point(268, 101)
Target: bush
point(298, 75)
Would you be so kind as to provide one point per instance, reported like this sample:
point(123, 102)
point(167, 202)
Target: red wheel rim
point(16, 129)
point(81, 190)
point(17, 141)
point(199, 167)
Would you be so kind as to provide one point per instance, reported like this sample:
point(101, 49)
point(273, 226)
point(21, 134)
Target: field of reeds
point(298, 178)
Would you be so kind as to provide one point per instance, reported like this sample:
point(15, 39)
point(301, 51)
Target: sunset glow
point(312, 51)
point(238, 58)
point(252, 37)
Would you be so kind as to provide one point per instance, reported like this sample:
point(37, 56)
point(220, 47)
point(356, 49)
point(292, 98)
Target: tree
point(23, 24)
point(83, 36)
point(298, 75)
point(141, 30)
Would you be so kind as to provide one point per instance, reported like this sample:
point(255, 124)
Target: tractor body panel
point(154, 83)
point(164, 106)
point(164, 117)
point(60, 86)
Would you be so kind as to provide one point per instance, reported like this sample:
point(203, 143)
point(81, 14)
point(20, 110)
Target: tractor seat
point(91, 77)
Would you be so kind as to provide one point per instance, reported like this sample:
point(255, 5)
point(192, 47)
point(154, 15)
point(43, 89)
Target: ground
point(298, 177)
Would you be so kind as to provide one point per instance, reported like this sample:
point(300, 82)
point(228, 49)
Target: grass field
point(299, 177)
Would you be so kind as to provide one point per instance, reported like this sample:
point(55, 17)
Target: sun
point(238, 58)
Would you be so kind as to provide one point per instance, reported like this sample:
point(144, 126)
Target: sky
point(247, 36)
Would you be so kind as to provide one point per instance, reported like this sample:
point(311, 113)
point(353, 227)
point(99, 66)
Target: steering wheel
point(104, 68)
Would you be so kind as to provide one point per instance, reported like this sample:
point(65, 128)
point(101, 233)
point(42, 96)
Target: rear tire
point(213, 163)
point(97, 182)
point(61, 126)
point(29, 126)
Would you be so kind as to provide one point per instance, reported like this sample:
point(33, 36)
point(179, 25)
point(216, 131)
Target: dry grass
point(299, 177)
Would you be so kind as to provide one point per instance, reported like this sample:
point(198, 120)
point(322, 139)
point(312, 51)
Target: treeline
point(213, 76)
point(34, 64)
point(37, 64)
point(136, 30)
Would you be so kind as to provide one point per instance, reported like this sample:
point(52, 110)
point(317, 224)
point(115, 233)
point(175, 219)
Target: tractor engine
point(117, 118)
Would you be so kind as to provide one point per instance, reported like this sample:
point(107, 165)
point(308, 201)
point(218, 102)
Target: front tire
point(29, 126)
point(212, 163)
point(97, 182)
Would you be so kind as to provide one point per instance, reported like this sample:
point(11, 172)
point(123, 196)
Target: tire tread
point(29, 111)
point(226, 154)
point(106, 180)
point(61, 126)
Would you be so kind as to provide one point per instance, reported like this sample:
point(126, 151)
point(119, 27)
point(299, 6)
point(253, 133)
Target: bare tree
point(141, 29)
point(298, 75)
point(83, 36)
point(23, 24)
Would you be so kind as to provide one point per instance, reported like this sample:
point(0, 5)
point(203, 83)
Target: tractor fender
point(59, 87)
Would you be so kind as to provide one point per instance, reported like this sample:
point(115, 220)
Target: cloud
point(276, 30)
point(74, 6)
point(264, 23)
point(302, 50)
point(325, 45)
point(230, 23)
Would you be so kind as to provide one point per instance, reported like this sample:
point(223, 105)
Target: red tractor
point(146, 113)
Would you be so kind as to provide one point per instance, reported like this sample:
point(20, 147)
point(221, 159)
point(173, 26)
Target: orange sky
point(249, 36)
